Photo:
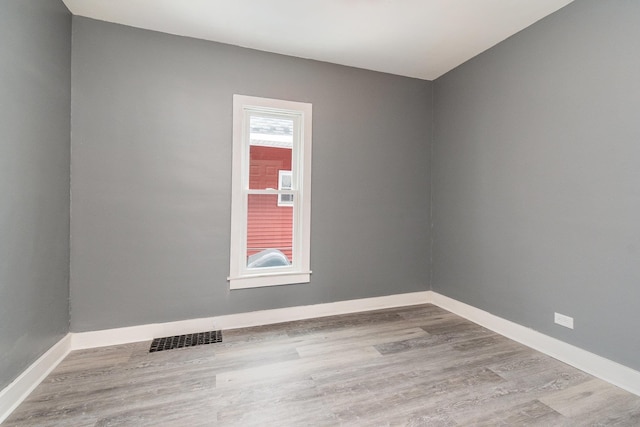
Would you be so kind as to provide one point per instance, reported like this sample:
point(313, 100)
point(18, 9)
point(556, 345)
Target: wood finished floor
point(413, 366)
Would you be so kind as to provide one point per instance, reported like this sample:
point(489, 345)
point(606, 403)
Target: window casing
point(271, 192)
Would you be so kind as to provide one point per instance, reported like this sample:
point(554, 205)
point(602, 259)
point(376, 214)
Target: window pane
point(284, 183)
point(269, 231)
point(270, 150)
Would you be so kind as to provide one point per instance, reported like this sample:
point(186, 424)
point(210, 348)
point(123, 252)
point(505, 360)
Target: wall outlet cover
point(563, 320)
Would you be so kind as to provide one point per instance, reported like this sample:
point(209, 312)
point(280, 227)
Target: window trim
point(299, 272)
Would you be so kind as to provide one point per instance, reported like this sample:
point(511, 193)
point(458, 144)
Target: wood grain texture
point(410, 366)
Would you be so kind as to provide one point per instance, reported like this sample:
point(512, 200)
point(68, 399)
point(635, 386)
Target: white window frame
point(241, 277)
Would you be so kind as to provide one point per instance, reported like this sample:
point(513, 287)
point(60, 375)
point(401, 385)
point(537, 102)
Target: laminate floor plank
point(372, 338)
point(594, 399)
point(300, 368)
point(406, 366)
point(474, 404)
point(531, 413)
point(398, 402)
point(525, 365)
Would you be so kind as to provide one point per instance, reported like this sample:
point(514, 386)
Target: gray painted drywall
point(151, 171)
point(35, 100)
point(536, 185)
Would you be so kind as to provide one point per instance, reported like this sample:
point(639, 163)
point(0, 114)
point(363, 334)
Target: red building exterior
point(269, 226)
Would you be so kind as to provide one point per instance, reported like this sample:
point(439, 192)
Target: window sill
point(269, 279)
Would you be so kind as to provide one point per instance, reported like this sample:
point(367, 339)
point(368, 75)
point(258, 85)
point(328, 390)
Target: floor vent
point(188, 340)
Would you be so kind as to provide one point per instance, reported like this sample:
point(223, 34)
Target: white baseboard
point(605, 369)
point(13, 394)
point(241, 320)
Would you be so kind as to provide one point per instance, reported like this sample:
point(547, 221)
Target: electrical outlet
point(563, 320)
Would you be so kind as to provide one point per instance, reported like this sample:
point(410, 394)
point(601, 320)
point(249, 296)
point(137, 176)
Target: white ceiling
point(415, 38)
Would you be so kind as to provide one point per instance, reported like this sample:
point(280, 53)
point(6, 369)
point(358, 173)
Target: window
point(271, 192)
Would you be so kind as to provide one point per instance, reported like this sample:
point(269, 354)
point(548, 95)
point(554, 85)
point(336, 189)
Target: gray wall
point(151, 177)
point(537, 178)
point(35, 92)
